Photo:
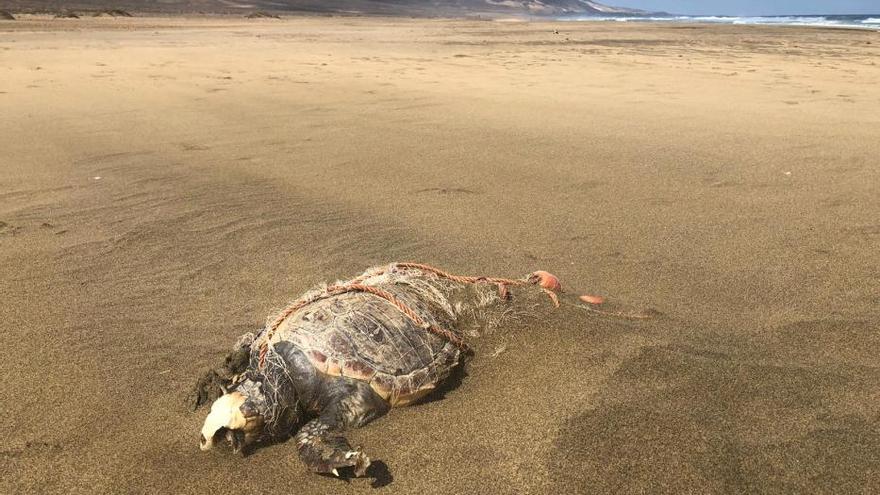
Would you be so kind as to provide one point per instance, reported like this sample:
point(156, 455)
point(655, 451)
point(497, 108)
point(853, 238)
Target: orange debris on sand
point(546, 280)
point(592, 299)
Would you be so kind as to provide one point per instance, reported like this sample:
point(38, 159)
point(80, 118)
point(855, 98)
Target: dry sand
point(166, 183)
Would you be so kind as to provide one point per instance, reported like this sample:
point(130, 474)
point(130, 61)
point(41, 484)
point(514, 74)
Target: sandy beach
point(167, 183)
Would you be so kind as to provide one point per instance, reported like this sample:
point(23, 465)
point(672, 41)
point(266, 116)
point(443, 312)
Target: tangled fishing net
point(395, 298)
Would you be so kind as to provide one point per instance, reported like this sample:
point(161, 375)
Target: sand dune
point(166, 183)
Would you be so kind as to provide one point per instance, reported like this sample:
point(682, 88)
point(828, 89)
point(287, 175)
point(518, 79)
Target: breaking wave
point(847, 21)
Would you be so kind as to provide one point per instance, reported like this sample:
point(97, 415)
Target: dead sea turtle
point(345, 354)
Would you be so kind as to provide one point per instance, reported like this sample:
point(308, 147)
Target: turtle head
point(234, 418)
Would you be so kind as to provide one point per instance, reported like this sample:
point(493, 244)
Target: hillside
point(382, 7)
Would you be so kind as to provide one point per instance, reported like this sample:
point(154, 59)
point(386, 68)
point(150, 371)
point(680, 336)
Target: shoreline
point(30, 17)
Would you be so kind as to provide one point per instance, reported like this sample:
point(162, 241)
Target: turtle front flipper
point(345, 404)
point(324, 450)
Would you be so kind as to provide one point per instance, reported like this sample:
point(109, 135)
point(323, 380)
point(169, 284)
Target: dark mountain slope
point(384, 7)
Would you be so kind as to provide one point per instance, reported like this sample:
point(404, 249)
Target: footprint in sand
point(32, 447)
point(192, 147)
point(49, 226)
point(724, 183)
point(7, 229)
point(866, 232)
point(446, 190)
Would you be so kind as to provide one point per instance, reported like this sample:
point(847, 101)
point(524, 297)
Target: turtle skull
point(225, 413)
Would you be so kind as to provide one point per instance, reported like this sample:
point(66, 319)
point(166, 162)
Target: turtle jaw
point(237, 439)
point(205, 444)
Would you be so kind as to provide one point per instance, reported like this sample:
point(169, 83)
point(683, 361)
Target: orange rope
point(460, 278)
point(356, 284)
point(440, 332)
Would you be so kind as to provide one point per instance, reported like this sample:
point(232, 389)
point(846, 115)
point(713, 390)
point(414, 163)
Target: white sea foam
point(862, 22)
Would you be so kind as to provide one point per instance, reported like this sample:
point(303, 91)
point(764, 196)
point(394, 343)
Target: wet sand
point(165, 184)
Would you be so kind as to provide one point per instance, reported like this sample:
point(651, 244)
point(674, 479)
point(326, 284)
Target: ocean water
point(846, 21)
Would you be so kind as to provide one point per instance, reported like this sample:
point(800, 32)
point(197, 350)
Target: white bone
point(225, 413)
